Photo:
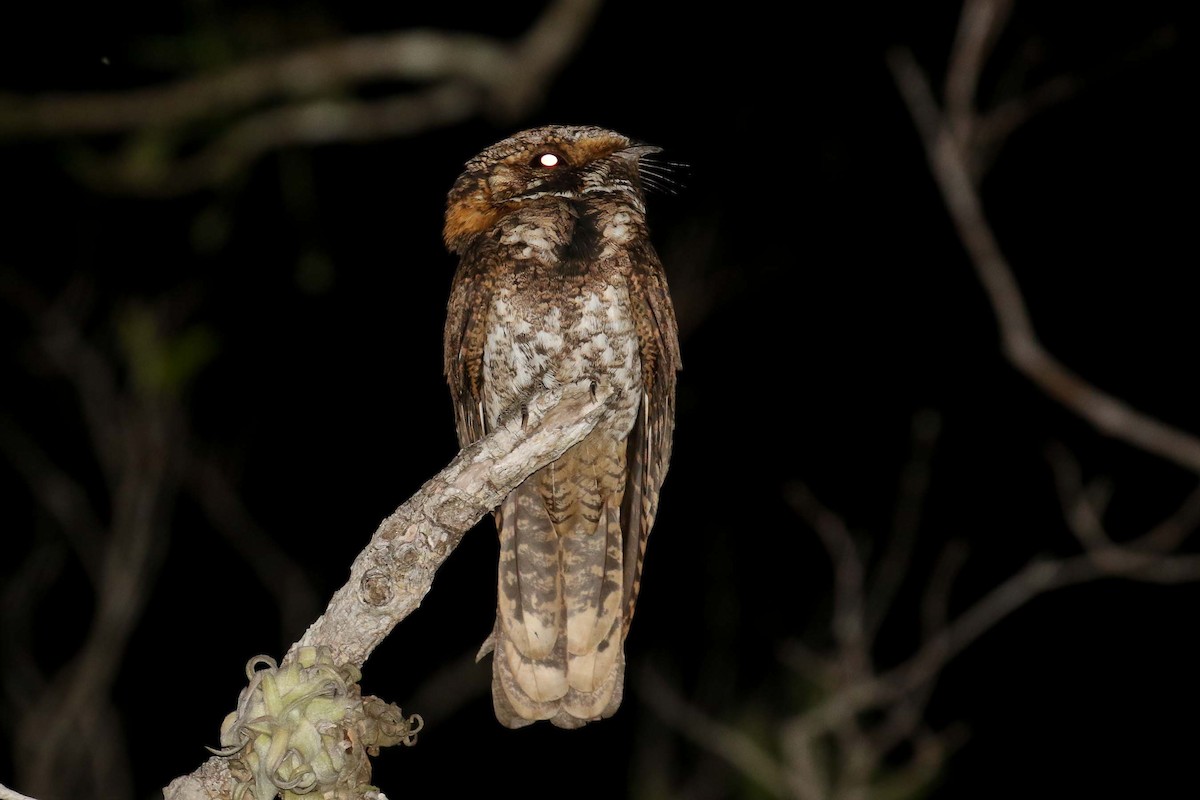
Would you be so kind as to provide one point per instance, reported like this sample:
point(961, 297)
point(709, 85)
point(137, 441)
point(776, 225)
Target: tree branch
point(848, 575)
point(896, 559)
point(726, 741)
point(393, 573)
point(275, 568)
point(419, 56)
point(291, 99)
point(9, 794)
point(1109, 414)
point(979, 28)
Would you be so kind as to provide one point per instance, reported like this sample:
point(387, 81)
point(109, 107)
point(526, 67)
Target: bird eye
point(546, 160)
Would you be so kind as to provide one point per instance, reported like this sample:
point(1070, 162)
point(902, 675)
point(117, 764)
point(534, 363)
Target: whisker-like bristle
point(660, 187)
point(667, 177)
point(661, 175)
point(654, 187)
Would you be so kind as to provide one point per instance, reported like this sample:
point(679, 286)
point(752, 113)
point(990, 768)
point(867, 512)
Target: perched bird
point(557, 283)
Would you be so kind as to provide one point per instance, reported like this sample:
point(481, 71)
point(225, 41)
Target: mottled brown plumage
point(558, 282)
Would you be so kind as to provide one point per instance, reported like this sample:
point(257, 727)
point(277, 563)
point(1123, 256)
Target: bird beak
point(638, 151)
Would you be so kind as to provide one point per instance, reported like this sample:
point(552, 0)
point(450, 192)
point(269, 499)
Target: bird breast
point(550, 323)
point(534, 342)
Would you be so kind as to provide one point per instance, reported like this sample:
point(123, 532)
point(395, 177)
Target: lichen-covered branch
point(393, 573)
point(391, 576)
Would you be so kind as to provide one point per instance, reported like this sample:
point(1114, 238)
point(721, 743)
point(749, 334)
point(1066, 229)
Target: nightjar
point(557, 283)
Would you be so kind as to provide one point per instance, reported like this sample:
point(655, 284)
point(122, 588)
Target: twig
point(848, 572)
point(992, 128)
point(1036, 578)
point(895, 688)
point(1083, 518)
point(135, 439)
point(458, 75)
point(1109, 414)
point(1171, 532)
point(402, 56)
point(979, 27)
point(318, 122)
point(61, 339)
point(423, 56)
point(57, 492)
point(395, 570)
point(893, 563)
point(806, 776)
point(22, 678)
point(281, 574)
point(725, 741)
point(905, 718)
point(902, 692)
point(834, 749)
point(935, 603)
point(1085, 521)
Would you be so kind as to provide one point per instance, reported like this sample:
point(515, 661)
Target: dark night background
point(825, 301)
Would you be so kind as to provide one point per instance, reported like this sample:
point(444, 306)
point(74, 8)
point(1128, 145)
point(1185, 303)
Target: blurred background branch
point(863, 733)
point(952, 145)
point(298, 99)
point(65, 724)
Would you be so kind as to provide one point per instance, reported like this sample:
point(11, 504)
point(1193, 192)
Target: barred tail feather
point(530, 602)
point(559, 635)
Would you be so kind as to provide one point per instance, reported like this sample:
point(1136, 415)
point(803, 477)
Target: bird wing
point(466, 333)
point(649, 445)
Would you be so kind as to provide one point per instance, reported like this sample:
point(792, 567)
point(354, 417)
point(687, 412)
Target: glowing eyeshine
point(548, 160)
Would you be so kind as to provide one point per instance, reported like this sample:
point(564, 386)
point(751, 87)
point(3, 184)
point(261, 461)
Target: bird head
point(555, 161)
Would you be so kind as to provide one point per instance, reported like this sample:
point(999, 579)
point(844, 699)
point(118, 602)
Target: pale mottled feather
point(530, 601)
